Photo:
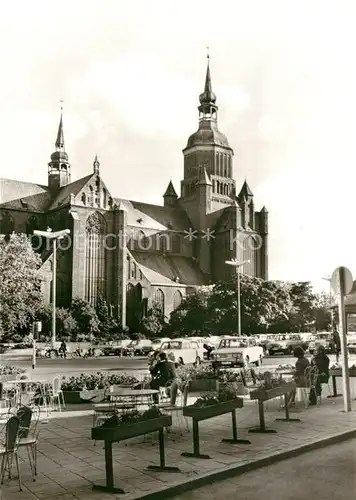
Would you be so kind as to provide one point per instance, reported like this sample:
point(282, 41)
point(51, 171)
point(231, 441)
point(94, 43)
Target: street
point(327, 473)
point(68, 367)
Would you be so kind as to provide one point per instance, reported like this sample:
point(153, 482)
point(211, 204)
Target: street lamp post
point(237, 264)
point(54, 236)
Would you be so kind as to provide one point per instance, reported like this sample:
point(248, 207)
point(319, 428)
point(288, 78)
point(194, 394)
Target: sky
point(130, 74)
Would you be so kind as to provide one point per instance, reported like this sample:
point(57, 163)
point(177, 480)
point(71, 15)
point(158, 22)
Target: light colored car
point(183, 350)
point(237, 351)
point(114, 348)
point(285, 344)
point(139, 347)
point(156, 343)
point(324, 338)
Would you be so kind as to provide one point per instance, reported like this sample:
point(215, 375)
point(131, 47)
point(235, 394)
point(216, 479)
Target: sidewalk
point(69, 463)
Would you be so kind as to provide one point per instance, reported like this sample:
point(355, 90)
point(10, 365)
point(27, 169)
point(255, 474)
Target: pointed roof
point(96, 165)
point(60, 135)
point(264, 210)
point(245, 191)
point(170, 191)
point(203, 177)
point(208, 96)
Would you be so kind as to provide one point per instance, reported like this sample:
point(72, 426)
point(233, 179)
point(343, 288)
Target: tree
point(302, 317)
point(263, 305)
point(191, 315)
point(85, 316)
point(20, 284)
point(108, 325)
point(65, 323)
point(153, 324)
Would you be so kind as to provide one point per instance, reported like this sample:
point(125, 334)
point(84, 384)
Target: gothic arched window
point(91, 196)
point(104, 198)
point(134, 270)
point(128, 264)
point(84, 199)
point(159, 300)
point(250, 251)
point(7, 224)
point(177, 299)
point(95, 278)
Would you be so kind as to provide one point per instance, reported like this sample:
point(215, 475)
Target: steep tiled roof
point(159, 268)
point(20, 195)
point(75, 187)
point(157, 217)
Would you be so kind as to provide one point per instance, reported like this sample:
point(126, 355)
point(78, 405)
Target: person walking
point(63, 349)
point(322, 362)
point(299, 376)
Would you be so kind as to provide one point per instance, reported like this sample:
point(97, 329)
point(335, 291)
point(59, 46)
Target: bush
point(11, 370)
point(95, 381)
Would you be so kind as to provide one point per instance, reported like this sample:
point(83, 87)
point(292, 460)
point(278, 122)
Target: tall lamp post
point(54, 236)
point(237, 264)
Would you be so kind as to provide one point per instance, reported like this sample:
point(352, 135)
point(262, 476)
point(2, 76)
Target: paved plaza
point(69, 462)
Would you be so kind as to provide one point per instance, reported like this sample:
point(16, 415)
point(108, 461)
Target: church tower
point(59, 167)
point(208, 149)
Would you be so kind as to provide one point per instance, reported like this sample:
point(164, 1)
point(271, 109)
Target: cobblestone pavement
point(69, 463)
point(328, 474)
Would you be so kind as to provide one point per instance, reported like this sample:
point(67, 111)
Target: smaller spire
point(96, 165)
point(60, 137)
point(264, 210)
point(203, 176)
point(170, 191)
point(245, 191)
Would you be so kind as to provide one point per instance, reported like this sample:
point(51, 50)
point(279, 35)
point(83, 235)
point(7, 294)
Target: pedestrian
point(322, 362)
point(299, 374)
point(337, 343)
point(63, 349)
point(209, 350)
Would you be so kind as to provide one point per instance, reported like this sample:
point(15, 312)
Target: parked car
point(139, 347)
point(323, 338)
point(237, 351)
point(351, 345)
point(266, 342)
point(183, 351)
point(285, 344)
point(156, 343)
point(115, 348)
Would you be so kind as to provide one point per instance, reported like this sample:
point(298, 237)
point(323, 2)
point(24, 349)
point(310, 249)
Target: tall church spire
point(59, 171)
point(60, 137)
point(207, 99)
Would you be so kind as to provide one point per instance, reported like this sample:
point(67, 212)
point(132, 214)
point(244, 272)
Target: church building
point(136, 254)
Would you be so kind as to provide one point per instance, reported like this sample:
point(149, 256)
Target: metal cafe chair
point(9, 448)
point(28, 436)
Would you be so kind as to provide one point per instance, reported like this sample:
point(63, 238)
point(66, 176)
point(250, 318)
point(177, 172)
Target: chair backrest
point(12, 430)
point(24, 414)
point(56, 385)
point(185, 393)
point(311, 375)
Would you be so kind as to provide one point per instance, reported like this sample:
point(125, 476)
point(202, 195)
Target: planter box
point(202, 385)
point(236, 387)
point(78, 397)
point(337, 372)
point(205, 412)
point(266, 394)
point(127, 431)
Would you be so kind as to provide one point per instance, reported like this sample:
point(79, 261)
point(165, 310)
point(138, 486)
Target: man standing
point(337, 343)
